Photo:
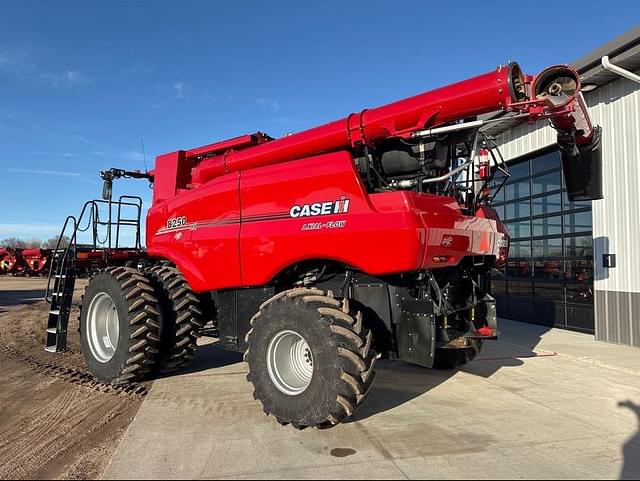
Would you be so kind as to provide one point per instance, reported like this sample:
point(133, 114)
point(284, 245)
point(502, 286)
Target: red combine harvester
point(320, 252)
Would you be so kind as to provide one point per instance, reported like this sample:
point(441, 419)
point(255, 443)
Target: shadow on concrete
point(631, 468)
point(17, 297)
point(210, 356)
point(397, 382)
point(518, 341)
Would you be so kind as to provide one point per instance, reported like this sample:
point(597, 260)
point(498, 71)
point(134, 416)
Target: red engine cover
point(243, 228)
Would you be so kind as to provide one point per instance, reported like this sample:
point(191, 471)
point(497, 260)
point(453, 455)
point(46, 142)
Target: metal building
point(577, 264)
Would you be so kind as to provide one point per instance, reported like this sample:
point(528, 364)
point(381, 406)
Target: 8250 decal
point(176, 222)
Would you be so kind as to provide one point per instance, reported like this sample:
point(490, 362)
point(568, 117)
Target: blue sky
point(82, 82)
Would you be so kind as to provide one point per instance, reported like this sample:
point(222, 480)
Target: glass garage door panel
point(550, 268)
point(547, 204)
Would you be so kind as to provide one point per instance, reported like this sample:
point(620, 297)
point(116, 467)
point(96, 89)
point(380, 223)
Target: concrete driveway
point(538, 404)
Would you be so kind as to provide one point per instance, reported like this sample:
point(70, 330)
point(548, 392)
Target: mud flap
point(415, 327)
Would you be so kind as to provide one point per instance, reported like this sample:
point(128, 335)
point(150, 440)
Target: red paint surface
point(239, 232)
point(221, 212)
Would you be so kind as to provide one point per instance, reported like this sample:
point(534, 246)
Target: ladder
point(60, 297)
point(61, 300)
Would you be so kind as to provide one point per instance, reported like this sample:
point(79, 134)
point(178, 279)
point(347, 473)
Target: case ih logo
point(340, 206)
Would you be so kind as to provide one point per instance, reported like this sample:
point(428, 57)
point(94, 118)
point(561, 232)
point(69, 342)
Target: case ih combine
point(317, 253)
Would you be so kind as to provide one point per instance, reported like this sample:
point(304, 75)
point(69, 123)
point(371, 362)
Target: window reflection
point(580, 294)
point(518, 190)
point(547, 248)
point(519, 229)
point(580, 272)
point(546, 183)
point(549, 204)
point(552, 292)
point(579, 247)
point(578, 222)
point(519, 170)
point(499, 288)
point(520, 249)
point(548, 161)
point(579, 275)
point(547, 226)
point(568, 205)
point(549, 270)
point(519, 269)
point(520, 289)
point(551, 252)
point(517, 210)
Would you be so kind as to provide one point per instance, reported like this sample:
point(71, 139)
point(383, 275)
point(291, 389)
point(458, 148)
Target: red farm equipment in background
point(7, 260)
point(320, 252)
point(29, 262)
point(36, 261)
point(12, 262)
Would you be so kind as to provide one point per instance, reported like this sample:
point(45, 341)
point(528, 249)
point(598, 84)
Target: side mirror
point(107, 189)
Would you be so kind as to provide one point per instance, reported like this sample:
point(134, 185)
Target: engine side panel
point(317, 208)
point(242, 229)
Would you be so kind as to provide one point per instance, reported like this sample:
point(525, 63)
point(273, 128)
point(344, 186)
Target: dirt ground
point(55, 421)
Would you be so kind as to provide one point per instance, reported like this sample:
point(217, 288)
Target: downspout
point(606, 63)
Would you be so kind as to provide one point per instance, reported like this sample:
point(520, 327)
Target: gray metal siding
point(616, 218)
point(613, 312)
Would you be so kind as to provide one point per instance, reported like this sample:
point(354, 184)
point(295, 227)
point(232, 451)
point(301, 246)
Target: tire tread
point(354, 350)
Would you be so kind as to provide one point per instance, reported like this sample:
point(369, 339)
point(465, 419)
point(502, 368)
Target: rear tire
point(310, 358)
point(181, 317)
point(119, 326)
point(448, 358)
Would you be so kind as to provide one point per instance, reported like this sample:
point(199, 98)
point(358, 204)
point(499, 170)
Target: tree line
point(18, 243)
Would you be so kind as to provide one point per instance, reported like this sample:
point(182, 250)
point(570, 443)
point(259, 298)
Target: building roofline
point(623, 51)
point(623, 43)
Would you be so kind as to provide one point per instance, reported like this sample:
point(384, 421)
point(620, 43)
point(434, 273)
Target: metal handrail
point(138, 206)
point(61, 265)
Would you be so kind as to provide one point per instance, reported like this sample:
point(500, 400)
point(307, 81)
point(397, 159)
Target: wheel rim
point(103, 328)
point(290, 363)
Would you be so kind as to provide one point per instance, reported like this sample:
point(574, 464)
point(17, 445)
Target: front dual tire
point(120, 326)
point(134, 324)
